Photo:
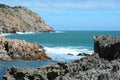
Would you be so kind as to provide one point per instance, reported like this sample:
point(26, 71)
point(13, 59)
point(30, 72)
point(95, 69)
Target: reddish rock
point(20, 49)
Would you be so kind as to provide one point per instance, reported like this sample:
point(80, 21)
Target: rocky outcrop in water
point(20, 19)
point(92, 67)
point(107, 47)
point(89, 68)
point(20, 49)
point(49, 72)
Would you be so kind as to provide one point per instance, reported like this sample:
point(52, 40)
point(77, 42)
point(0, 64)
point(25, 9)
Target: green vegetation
point(4, 6)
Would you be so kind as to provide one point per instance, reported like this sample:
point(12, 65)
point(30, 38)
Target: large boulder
point(20, 49)
point(107, 47)
point(21, 19)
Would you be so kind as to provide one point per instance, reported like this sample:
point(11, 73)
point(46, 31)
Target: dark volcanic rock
point(20, 19)
point(83, 54)
point(92, 68)
point(20, 49)
point(49, 72)
point(89, 68)
point(70, 54)
point(107, 47)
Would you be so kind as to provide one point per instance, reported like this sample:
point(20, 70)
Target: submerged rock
point(83, 54)
point(70, 54)
point(20, 19)
point(20, 49)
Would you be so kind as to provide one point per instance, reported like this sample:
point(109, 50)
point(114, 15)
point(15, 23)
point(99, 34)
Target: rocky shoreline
point(20, 49)
point(102, 65)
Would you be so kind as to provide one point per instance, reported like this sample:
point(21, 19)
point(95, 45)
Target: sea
point(61, 46)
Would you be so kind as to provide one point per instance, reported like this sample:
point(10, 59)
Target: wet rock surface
point(20, 49)
point(21, 19)
point(92, 67)
point(83, 54)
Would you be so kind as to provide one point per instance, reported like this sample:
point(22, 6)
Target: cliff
point(20, 49)
point(107, 47)
point(94, 67)
point(20, 19)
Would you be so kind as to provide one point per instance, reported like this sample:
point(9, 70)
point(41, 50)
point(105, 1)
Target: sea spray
point(66, 54)
point(67, 50)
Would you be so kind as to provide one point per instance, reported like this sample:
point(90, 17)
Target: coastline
point(90, 67)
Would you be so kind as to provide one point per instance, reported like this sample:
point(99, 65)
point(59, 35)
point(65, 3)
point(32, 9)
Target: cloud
point(86, 4)
point(62, 5)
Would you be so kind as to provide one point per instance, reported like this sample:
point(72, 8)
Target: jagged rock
point(107, 47)
point(4, 55)
point(20, 19)
point(89, 68)
point(49, 72)
point(20, 49)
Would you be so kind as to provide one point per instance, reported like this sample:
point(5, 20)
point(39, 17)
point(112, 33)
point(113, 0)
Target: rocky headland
point(21, 19)
point(20, 49)
point(102, 65)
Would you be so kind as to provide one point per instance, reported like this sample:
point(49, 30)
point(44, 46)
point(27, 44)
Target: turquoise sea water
point(57, 45)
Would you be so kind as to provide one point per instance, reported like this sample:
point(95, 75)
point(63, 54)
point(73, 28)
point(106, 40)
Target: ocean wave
point(60, 54)
point(58, 32)
point(5, 34)
point(67, 50)
point(25, 32)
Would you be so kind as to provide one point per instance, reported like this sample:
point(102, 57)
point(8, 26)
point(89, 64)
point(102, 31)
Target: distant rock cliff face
point(13, 19)
point(20, 49)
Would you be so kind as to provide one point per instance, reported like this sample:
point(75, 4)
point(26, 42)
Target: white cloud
point(88, 4)
point(59, 5)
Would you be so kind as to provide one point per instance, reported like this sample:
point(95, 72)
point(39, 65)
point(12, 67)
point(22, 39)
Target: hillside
point(20, 19)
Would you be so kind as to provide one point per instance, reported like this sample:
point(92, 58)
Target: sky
point(75, 14)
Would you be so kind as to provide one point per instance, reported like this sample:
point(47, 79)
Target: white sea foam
point(67, 50)
point(5, 34)
point(25, 33)
point(57, 32)
point(61, 53)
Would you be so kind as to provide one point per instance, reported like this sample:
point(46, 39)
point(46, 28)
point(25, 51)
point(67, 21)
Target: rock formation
point(20, 19)
point(20, 49)
point(92, 67)
point(49, 72)
point(107, 47)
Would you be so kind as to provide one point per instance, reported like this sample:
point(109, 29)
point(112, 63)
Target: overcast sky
point(75, 14)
